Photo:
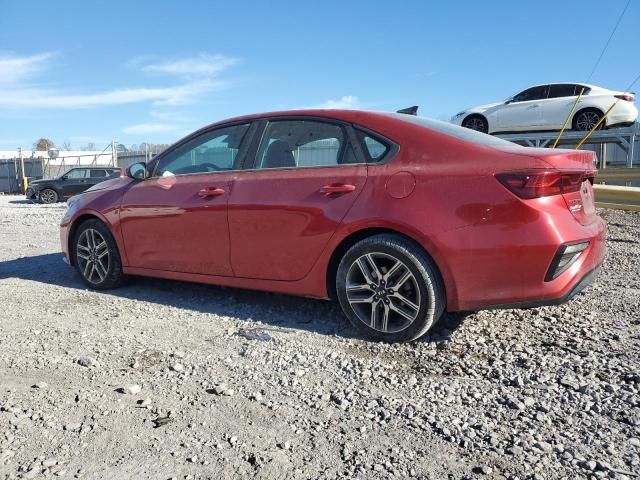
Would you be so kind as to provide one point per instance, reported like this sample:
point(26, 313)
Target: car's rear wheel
point(477, 123)
point(96, 256)
point(586, 120)
point(48, 195)
point(389, 288)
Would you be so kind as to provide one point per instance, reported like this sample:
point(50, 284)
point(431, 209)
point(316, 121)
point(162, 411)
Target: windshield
point(462, 133)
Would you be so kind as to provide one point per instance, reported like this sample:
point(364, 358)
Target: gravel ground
point(163, 379)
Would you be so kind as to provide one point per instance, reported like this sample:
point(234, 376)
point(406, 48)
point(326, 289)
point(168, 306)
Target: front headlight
point(459, 114)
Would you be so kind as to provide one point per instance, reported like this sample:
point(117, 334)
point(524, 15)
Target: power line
point(632, 84)
point(606, 45)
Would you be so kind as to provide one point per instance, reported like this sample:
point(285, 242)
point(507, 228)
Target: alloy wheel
point(383, 292)
point(587, 120)
point(48, 196)
point(92, 254)
point(476, 123)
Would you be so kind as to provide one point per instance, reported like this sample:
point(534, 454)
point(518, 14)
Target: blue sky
point(139, 71)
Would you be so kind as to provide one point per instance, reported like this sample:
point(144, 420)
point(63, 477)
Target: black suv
point(75, 181)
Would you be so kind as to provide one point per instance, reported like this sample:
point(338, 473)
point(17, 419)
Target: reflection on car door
point(177, 220)
point(525, 110)
point(282, 213)
point(76, 182)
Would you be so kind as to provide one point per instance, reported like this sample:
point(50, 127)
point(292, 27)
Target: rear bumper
point(624, 113)
point(505, 264)
point(582, 283)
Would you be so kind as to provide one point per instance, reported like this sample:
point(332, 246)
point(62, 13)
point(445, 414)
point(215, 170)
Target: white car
point(546, 107)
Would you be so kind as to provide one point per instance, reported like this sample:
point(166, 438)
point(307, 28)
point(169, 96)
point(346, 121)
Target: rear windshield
point(462, 133)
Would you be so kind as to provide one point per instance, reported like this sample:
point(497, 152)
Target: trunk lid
point(578, 168)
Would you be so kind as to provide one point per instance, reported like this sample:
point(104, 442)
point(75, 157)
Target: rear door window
point(302, 143)
point(97, 173)
point(562, 90)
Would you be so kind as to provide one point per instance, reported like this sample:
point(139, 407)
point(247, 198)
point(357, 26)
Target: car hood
point(110, 184)
point(483, 108)
point(38, 182)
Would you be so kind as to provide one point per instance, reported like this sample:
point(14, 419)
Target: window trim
point(240, 157)
point(350, 138)
point(392, 147)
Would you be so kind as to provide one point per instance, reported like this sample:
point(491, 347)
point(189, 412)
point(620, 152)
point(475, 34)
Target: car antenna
point(409, 110)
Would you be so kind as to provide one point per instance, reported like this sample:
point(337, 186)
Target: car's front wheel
point(96, 256)
point(477, 123)
point(389, 288)
point(48, 195)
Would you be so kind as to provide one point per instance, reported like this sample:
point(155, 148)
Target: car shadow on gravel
point(22, 202)
point(278, 310)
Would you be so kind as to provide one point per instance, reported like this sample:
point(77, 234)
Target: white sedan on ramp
point(546, 107)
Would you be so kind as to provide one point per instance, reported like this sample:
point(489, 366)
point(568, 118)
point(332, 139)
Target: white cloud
point(169, 116)
point(20, 69)
point(346, 102)
point(145, 128)
point(38, 98)
point(16, 69)
point(203, 64)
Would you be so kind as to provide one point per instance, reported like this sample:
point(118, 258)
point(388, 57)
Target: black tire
point(102, 275)
point(586, 119)
point(49, 195)
point(477, 123)
point(422, 289)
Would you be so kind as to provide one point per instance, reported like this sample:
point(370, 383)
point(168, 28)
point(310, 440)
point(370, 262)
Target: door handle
point(532, 106)
point(337, 188)
point(211, 192)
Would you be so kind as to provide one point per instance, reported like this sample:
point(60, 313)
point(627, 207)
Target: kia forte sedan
point(546, 107)
point(397, 217)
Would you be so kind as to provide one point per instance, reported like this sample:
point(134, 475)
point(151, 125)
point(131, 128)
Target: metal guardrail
point(619, 174)
point(616, 197)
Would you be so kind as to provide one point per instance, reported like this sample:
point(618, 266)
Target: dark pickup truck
point(75, 181)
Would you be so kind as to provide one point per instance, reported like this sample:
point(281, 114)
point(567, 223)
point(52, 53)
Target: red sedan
point(398, 217)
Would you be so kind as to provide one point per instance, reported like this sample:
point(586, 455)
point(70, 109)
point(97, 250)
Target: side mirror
point(510, 100)
point(64, 177)
point(138, 171)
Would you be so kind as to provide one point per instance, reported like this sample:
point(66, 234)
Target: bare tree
point(66, 145)
point(43, 144)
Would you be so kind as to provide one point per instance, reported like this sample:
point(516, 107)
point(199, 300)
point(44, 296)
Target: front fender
point(103, 205)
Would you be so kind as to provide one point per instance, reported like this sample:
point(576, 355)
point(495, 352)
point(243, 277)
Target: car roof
point(310, 112)
point(350, 116)
point(95, 168)
point(582, 84)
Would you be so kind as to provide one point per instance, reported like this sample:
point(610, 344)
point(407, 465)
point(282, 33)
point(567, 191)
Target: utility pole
point(114, 154)
point(24, 178)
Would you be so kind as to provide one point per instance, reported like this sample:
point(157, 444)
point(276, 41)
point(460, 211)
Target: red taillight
point(536, 184)
point(628, 98)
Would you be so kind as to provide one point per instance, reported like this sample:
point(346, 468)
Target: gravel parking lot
point(162, 379)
